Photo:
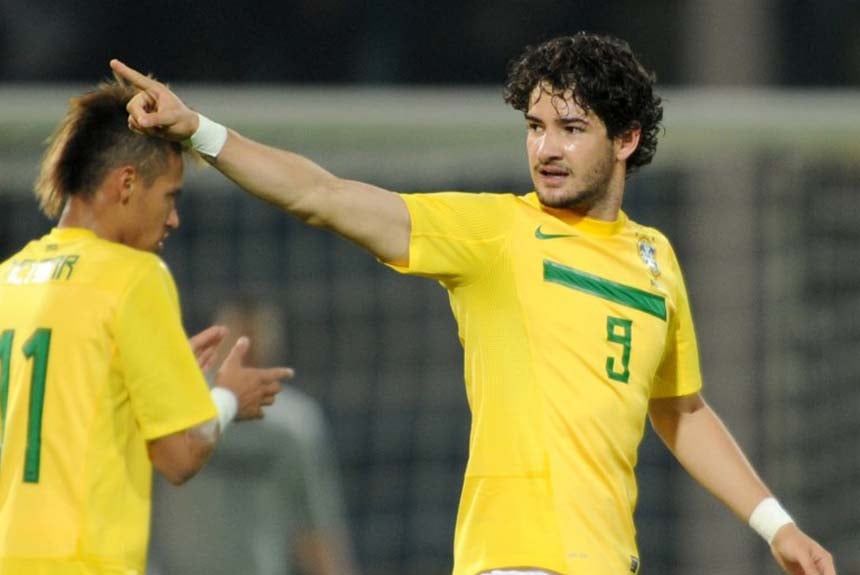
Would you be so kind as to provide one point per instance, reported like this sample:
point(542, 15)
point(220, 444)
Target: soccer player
point(98, 383)
point(574, 319)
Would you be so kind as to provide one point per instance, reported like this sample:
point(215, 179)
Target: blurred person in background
point(269, 501)
point(574, 319)
point(98, 382)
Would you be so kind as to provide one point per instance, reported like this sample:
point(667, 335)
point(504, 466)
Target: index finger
point(137, 79)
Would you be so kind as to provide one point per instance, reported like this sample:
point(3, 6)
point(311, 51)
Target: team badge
point(648, 253)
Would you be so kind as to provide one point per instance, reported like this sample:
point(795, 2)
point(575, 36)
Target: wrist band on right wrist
point(768, 517)
point(209, 137)
point(226, 404)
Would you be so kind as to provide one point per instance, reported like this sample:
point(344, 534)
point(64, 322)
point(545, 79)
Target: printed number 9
point(619, 330)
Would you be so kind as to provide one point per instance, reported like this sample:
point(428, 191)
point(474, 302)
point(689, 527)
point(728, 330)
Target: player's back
point(74, 472)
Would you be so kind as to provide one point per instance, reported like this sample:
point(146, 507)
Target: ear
point(125, 178)
point(626, 143)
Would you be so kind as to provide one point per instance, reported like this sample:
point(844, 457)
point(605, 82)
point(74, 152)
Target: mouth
point(552, 175)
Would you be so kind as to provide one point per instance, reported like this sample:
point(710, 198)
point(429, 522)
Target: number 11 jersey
point(93, 363)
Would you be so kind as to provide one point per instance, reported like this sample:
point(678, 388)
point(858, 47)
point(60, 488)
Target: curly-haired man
point(574, 319)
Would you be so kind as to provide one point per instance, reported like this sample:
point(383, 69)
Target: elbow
point(180, 479)
point(179, 473)
point(179, 457)
point(176, 479)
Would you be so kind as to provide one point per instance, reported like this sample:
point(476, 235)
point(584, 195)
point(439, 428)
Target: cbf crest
point(648, 253)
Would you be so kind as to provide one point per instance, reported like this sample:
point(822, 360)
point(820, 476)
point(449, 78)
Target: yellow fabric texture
point(119, 371)
point(564, 344)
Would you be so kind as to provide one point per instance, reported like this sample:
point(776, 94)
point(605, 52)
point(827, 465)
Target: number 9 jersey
point(94, 362)
point(569, 326)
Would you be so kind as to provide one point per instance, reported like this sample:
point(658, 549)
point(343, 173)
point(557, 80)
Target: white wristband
point(209, 137)
point(768, 517)
point(226, 404)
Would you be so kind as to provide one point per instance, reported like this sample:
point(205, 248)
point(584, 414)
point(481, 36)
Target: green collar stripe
point(603, 288)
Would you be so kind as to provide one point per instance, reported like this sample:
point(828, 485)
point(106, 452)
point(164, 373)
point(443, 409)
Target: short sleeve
point(456, 235)
point(167, 390)
point(679, 372)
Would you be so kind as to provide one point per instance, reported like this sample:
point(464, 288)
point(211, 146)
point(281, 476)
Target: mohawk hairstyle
point(92, 139)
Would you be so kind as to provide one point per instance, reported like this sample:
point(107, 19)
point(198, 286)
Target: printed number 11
point(36, 348)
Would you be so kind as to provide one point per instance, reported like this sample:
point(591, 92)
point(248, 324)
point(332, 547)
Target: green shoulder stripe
point(606, 289)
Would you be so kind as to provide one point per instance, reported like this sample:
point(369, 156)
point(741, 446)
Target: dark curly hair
point(604, 77)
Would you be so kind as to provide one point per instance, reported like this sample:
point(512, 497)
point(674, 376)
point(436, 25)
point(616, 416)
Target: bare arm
point(702, 444)
point(179, 456)
point(372, 217)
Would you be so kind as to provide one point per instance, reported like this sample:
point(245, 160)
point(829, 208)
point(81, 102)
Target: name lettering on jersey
point(41, 271)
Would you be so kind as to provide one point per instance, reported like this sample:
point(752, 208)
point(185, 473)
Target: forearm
point(179, 456)
point(285, 179)
point(374, 218)
point(706, 449)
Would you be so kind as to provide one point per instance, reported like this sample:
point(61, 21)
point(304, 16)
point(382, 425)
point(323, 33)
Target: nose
point(173, 219)
point(549, 147)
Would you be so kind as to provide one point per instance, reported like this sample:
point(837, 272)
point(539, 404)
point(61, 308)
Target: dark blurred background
point(756, 181)
point(774, 42)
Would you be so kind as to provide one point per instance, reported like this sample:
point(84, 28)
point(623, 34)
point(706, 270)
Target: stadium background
point(756, 181)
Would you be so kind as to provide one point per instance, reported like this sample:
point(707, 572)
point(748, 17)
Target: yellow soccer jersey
point(569, 326)
point(93, 362)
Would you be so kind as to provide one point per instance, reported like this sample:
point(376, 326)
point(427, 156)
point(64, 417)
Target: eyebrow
point(562, 121)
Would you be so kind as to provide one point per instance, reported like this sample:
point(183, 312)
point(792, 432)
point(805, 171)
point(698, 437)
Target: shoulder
point(23, 253)
point(134, 274)
point(655, 250)
point(653, 236)
point(459, 199)
point(135, 264)
point(433, 211)
point(122, 261)
point(131, 257)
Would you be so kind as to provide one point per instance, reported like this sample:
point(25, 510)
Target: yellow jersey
point(569, 326)
point(93, 363)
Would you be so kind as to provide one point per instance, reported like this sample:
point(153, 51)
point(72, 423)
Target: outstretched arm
point(374, 218)
point(706, 449)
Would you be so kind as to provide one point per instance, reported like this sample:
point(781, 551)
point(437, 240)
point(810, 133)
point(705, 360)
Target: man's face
point(570, 156)
point(153, 212)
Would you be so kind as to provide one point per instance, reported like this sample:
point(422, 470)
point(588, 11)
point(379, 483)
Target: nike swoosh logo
point(542, 236)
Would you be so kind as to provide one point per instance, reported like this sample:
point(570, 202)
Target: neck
point(606, 210)
point(607, 205)
point(81, 213)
